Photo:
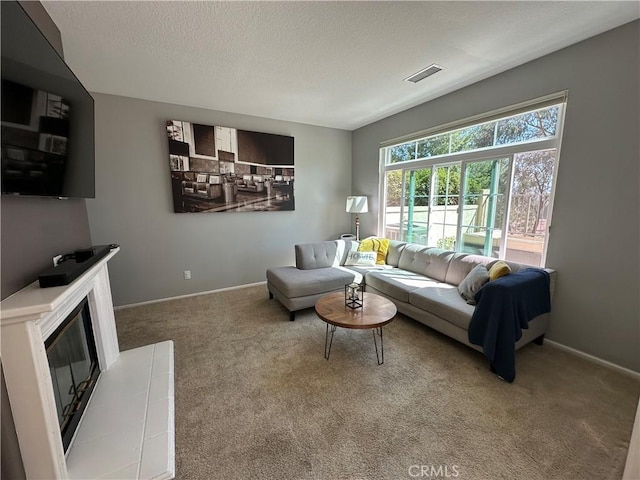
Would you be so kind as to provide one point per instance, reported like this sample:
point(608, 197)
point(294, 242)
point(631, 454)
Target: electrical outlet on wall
point(187, 274)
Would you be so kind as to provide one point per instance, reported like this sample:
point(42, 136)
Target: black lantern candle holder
point(354, 295)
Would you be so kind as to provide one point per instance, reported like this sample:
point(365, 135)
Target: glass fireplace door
point(74, 368)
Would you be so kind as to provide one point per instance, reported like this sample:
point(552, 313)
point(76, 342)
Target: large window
point(484, 188)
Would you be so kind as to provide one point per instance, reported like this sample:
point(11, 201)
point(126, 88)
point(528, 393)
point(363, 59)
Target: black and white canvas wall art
point(223, 169)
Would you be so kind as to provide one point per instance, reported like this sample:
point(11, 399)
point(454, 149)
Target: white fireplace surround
point(27, 319)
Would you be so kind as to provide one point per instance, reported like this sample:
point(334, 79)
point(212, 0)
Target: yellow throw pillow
point(379, 245)
point(499, 269)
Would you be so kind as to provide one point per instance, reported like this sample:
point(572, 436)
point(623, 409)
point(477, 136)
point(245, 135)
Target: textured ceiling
point(335, 64)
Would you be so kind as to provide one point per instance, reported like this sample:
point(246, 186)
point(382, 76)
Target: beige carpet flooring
point(255, 399)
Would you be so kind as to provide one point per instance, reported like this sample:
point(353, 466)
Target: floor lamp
point(357, 205)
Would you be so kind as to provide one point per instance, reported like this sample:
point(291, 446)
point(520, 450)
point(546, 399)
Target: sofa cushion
point(343, 247)
point(395, 249)
point(514, 266)
point(315, 255)
point(478, 276)
point(445, 301)
point(361, 258)
point(363, 270)
point(499, 269)
point(438, 264)
point(461, 264)
point(397, 283)
point(378, 245)
point(410, 258)
point(294, 282)
point(431, 262)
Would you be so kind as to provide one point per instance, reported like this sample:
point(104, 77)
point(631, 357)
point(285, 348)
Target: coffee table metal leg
point(328, 340)
point(380, 356)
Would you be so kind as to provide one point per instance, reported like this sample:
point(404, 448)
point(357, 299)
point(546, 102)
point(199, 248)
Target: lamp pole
point(357, 205)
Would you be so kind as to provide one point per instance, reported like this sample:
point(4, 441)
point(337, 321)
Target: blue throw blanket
point(503, 308)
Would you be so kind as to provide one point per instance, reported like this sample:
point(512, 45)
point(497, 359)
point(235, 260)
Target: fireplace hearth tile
point(116, 438)
point(105, 395)
point(135, 359)
point(162, 349)
point(159, 418)
point(102, 418)
point(105, 454)
point(127, 473)
point(160, 385)
point(162, 365)
point(116, 399)
point(156, 458)
point(128, 382)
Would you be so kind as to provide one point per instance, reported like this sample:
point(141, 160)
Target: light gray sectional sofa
point(421, 281)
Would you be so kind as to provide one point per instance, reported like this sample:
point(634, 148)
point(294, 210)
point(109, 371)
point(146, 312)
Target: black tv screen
point(47, 116)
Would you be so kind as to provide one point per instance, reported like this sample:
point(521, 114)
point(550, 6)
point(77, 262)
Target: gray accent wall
point(133, 205)
point(34, 230)
point(594, 240)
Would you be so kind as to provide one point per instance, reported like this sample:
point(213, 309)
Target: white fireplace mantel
point(27, 319)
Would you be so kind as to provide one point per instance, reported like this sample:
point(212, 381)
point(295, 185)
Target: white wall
point(133, 205)
point(594, 244)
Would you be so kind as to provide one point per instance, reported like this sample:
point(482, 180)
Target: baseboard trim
point(593, 358)
point(160, 300)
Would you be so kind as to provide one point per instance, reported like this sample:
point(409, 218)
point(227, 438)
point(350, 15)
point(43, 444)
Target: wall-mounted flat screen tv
point(47, 116)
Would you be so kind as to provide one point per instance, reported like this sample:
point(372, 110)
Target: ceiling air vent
point(424, 73)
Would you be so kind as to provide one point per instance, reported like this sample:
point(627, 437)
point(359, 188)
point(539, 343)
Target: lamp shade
point(357, 205)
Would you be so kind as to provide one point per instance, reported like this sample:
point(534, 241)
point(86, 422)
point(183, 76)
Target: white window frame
point(482, 154)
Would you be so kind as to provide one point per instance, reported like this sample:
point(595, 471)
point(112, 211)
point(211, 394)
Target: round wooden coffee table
point(375, 313)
